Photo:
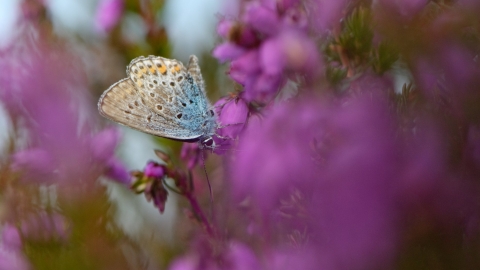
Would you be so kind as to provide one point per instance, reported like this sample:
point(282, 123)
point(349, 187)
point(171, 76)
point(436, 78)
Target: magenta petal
point(117, 171)
point(224, 27)
point(272, 56)
point(154, 170)
point(245, 67)
point(108, 14)
point(11, 238)
point(262, 19)
point(232, 117)
point(104, 143)
point(227, 51)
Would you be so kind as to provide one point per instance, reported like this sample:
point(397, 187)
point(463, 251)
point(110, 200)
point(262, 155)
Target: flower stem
point(199, 213)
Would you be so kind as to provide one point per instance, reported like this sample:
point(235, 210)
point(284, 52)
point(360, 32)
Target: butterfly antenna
point(209, 185)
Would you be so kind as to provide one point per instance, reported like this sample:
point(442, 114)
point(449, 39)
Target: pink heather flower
point(36, 164)
point(287, 4)
point(11, 238)
point(103, 149)
point(108, 14)
point(261, 18)
point(245, 67)
point(154, 170)
point(104, 143)
point(157, 193)
point(60, 147)
point(115, 170)
point(227, 51)
point(263, 88)
point(325, 14)
point(342, 159)
point(271, 45)
point(191, 153)
point(281, 140)
point(291, 50)
point(224, 27)
point(450, 74)
point(232, 115)
point(235, 256)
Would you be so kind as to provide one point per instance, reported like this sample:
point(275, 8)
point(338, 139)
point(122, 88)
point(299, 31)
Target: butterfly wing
point(194, 69)
point(159, 97)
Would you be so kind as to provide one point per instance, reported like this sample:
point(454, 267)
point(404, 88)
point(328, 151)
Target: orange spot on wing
point(163, 69)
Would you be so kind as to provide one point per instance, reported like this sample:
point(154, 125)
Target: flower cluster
point(267, 42)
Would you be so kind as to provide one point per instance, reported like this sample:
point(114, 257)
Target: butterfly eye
point(208, 142)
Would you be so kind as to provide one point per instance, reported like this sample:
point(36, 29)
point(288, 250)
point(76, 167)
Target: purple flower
point(191, 153)
point(291, 50)
point(235, 256)
point(343, 158)
point(232, 115)
point(157, 193)
point(108, 14)
point(450, 75)
point(103, 146)
point(237, 33)
point(116, 170)
point(154, 170)
point(11, 238)
point(325, 14)
point(281, 141)
point(245, 67)
point(61, 147)
point(227, 51)
point(266, 46)
point(13, 260)
point(37, 165)
point(261, 18)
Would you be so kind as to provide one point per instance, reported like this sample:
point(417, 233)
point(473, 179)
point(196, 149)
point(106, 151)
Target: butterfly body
point(163, 98)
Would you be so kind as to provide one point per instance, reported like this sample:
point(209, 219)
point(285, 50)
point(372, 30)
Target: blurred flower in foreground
point(232, 114)
point(109, 13)
point(45, 227)
point(48, 101)
point(11, 256)
point(265, 45)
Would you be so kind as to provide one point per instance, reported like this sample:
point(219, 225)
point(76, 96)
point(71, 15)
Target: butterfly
point(164, 98)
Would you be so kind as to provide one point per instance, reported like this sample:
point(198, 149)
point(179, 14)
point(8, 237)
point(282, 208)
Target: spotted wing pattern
point(161, 97)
